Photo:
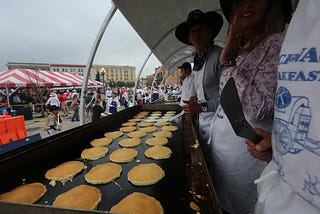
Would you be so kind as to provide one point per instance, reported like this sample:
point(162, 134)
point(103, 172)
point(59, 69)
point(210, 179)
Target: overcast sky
point(63, 31)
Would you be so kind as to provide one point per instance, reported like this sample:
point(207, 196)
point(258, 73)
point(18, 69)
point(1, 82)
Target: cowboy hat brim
point(211, 18)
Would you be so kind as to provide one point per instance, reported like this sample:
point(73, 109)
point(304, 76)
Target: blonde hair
point(274, 21)
point(97, 102)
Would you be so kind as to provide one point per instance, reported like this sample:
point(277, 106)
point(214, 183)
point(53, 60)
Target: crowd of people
point(98, 103)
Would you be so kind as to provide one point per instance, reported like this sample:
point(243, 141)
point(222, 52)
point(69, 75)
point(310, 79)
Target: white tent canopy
point(155, 22)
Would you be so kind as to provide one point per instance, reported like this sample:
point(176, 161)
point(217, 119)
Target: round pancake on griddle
point(64, 171)
point(135, 120)
point(165, 134)
point(145, 174)
point(103, 173)
point(159, 141)
point(104, 141)
point(138, 134)
point(144, 113)
point(144, 124)
point(139, 117)
point(138, 203)
point(128, 129)
point(156, 112)
point(123, 155)
point(129, 124)
point(149, 129)
point(169, 128)
point(158, 152)
point(114, 134)
point(150, 120)
point(130, 142)
point(80, 197)
point(171, 112)
point(156, 115)
point(161, 123)
point(27, 193)
point(94, 153)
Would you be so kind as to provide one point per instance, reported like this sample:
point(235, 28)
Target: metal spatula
point(231, 105)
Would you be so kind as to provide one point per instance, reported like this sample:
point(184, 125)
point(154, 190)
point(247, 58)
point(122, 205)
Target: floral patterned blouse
point(255, 75)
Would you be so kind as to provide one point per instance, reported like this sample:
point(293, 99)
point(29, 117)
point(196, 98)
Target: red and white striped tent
point(19, 77)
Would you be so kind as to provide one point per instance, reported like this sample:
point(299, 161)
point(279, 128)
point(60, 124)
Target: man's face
point(199, 36)
point(183, 72)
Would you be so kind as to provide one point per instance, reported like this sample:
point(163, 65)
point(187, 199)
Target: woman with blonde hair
point(250, 56)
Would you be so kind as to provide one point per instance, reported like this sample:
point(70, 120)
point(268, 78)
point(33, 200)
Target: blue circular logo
point(283, 98)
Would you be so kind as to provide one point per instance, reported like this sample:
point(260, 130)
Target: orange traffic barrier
point(3, 127)
point(12, 128)
point(8, 137)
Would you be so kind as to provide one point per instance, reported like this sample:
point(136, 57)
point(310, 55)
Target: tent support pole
point(138, 77)
point(90, 61)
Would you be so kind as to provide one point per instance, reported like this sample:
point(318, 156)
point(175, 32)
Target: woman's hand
point(261, 150)
point(231, 49)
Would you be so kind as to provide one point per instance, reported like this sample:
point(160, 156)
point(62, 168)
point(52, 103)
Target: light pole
point(102, 72)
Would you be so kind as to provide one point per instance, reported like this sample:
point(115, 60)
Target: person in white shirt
point(53, 101)
point(187, 84)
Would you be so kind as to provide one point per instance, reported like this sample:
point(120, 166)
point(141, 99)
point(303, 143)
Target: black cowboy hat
point(211, 18)
point(186, 66)
point(226, 7)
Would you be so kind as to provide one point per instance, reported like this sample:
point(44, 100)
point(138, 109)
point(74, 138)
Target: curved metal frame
point(93, 51)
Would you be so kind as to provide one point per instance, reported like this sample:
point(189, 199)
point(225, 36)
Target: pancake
point(80, 197)
point(128, 129)
point(165, 134)
point(144, 113)
point(64, 171)
point(145, 174)
point(27, 193)
point(156, 112)
point(161, 123)
point(158, 152)
point(138, 203)
point(103, 173)
point(130, 142)
point(114, 134)
point(156, 141)
point(104, 141)
point(94, 153)
point(144, 124)
point(129, 124)
point(149, 129)
point(139, 117)
point(123, 155)
point(171, 112)
point(150, 120)
point(156, 115)
point(169, 128)
point(135, 120)
point(137, 134)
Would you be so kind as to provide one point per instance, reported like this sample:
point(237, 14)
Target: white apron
point(205, 118)
point(291, 182)
point(234, 169)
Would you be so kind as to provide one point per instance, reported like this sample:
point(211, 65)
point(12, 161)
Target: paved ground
point(38, 125)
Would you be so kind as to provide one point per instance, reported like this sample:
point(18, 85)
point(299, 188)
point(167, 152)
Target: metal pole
point(137, 80)
point(90, 60)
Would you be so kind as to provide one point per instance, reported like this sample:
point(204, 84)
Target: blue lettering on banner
point(306, 76)
point(305, 55)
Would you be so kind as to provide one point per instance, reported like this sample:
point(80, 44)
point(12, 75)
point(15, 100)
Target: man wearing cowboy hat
point(199, 30)
point(53, 102)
